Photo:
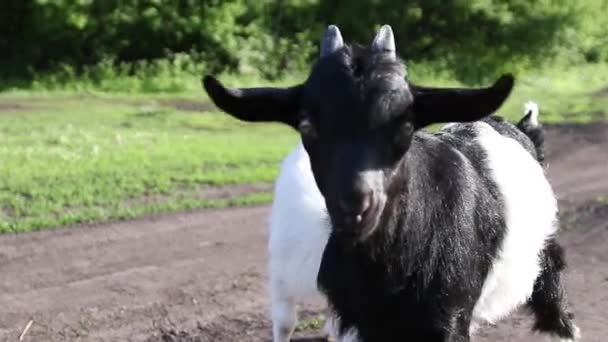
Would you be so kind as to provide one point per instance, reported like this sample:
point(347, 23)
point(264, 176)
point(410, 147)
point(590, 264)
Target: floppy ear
point(435, 105)
point(256, 104)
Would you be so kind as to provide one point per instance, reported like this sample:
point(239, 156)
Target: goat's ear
point(256, 104)
point(435, 105)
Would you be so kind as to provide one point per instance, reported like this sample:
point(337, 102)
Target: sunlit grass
point(564, 94)
point(80, 160)
point(313, 323)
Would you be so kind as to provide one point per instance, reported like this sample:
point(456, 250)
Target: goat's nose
point(356, 205)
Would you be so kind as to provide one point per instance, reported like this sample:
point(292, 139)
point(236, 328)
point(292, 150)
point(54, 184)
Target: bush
point(474, 38)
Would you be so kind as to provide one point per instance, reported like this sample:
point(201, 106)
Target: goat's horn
point(384, 42)
point(331, 41)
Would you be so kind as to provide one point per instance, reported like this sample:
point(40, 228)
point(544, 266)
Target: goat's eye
point(403, 136)
point(307, 130)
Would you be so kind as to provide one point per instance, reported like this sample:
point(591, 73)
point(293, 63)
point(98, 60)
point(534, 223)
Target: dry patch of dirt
point(17, 106)
point(206, 193)
point(188, 105)
point(601, 93)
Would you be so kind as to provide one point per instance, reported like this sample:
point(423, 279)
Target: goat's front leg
point(284, 317)
point(454, 328)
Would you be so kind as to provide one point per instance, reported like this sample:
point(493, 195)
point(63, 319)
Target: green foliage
point(475, 39)
point(588, 39)
point(176, 73)
point(314, 323)
point(43, 34)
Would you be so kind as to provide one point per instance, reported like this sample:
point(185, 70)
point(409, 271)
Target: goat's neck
point(393, 215)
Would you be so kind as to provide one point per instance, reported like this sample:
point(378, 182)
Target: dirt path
point(203, 274)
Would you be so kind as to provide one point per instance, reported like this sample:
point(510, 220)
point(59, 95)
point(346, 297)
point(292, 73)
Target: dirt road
point(201, 276)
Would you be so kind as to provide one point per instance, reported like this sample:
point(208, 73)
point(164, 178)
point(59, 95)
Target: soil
point(201, 276)
point(189, 105)
point(184, 105)
point(601, 93)
point(14, 107)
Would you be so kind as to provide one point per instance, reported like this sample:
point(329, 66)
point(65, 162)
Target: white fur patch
point(298, 235)
point(531, 108)
point(530, 213)
point(450, 125)
point(331, 328)
point(298, 227)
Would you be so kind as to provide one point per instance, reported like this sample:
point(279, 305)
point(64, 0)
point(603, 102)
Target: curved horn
point(255, 104)
point(331, 41)
point(434, 105)
point(384, 42)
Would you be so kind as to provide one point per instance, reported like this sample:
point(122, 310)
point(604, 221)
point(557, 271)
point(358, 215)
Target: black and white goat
point(431, 234)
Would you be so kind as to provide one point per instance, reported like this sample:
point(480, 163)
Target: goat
point(430, 234)
point(299, 229)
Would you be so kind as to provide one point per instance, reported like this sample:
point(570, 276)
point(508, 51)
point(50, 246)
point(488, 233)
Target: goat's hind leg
point(547, 301)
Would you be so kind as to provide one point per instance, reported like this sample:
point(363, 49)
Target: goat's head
point(357, 114)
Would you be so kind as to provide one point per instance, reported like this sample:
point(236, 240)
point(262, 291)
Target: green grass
point(69, 160)
point(564, 94)
point(314, 323)
point(74, 153)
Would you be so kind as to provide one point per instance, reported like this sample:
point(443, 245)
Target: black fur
point(418, 278)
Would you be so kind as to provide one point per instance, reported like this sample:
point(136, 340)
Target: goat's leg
point(330, 329)
point(284, 318)
point(459, 326)
point(454, 329)
point(547, 301)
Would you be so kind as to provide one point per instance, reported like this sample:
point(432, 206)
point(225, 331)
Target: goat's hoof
point(329, 338)
point(576, 331)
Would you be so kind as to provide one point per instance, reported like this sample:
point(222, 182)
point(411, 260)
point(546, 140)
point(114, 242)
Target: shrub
point(269, 38)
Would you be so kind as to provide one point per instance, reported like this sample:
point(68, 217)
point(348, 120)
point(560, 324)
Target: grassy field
point(71, 154)
point(68, 159)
